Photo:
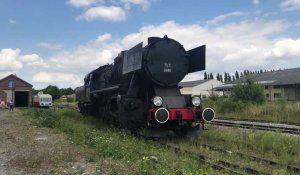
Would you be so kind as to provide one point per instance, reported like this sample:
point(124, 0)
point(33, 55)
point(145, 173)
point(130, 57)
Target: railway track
point(256, 120)
point(284, 128)
point(291, 168)
point(230, 167)
point(224, 165)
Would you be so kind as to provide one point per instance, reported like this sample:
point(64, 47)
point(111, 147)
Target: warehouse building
point(203, 88)
point(16, 89)
point(277, 84)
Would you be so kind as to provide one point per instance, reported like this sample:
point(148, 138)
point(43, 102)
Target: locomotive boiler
point(140, 89)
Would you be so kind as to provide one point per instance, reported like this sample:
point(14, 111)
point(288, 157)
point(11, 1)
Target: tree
point(218, 77)
point(225, 77)
point(35, 91)
point(221, 78)
point(249, 92)
point(233, 78)
point(205, 76)
point(229, 77)
point(241, 74)
point(66, 91)
point(237, 75)
point(211, 76)
point(52, 90)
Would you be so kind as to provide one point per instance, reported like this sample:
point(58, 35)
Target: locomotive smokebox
point(164, 61)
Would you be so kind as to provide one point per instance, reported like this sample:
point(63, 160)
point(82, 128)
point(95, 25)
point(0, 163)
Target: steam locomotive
point(140, 91)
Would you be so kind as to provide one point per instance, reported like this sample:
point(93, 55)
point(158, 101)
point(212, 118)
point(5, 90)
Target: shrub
point(249, 92)
point(230, 105)
point(45, 117)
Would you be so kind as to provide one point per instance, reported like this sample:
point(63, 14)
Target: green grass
point(279, 111)
point(141, 156)
point(280, 147)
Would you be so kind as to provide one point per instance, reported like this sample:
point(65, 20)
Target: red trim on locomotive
point(186, 114)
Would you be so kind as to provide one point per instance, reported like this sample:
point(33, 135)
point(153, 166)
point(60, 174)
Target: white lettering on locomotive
point(167, 67)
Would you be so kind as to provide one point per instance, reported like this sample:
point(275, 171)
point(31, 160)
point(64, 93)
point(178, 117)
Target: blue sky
point(59, 41)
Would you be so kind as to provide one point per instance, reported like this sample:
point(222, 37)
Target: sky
point(58, 42)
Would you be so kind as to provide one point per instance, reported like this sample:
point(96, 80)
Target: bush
point(249, 92)
point(230, 105)
point(44, 117)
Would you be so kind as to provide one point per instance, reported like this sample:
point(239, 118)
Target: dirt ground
point(28, 149)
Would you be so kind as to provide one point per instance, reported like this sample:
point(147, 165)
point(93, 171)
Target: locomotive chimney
point(153, 39)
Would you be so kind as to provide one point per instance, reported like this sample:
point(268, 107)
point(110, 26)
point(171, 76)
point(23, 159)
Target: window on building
point(266, 87)
point(267, 95)
point(277, 87)
point(11, 83)
point(277, 95)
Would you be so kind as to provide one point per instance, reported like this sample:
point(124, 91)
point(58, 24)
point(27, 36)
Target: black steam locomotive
point(140, 89)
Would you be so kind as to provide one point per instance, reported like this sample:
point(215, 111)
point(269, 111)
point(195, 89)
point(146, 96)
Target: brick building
point(12, 87)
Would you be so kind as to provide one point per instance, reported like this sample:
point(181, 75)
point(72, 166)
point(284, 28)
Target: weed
point(147, 157)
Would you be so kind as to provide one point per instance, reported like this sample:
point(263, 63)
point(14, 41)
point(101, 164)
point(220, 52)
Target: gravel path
point(27, 149)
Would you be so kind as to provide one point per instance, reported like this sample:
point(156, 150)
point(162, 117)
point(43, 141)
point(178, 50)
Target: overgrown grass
point(141, 156)
point(280, 147)
point(277, 111)
point(274, 145)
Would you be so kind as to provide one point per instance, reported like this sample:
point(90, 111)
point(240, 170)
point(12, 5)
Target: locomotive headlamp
point(196, 101)
point(157, 101)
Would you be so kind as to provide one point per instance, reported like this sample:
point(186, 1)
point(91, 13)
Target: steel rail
point(284, 128)
point(230, 167)
point(253, 157)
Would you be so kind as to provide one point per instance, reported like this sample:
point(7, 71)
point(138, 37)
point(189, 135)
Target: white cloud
point(111, 13)
point(286, 48)
point(86, 57)
point(51, 46)
point(249, 44)
point(255, 2)
point(223, 17)
point(33, 60)
point(83, 3)
point(102, 39)
point(12, 61)
point(290, 5)
point(11, 21)
point(9, 61)
point(230, 47)
point(143, 3)
point(107, 10)
point(56, 78)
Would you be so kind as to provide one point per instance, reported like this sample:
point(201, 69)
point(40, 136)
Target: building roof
point(280, 77)
point(192, 83)
point(15, 77)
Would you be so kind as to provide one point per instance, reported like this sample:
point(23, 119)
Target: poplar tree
point(237, 75)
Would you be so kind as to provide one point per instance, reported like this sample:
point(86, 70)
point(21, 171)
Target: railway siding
point(285, 128)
